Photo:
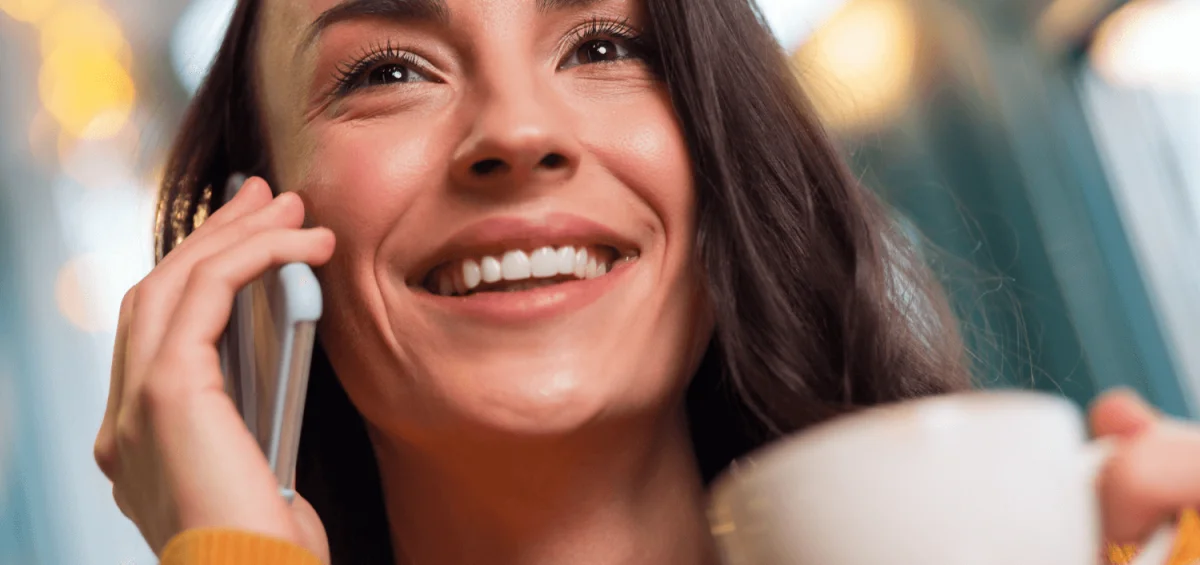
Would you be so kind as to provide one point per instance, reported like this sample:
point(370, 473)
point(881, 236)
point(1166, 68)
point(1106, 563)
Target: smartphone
point(266, 351)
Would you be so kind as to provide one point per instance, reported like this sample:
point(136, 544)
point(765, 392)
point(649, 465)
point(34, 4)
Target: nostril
point(553, 161)
point(488, 166)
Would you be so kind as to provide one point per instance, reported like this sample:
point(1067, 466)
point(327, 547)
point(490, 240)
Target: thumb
point(312, 531)
point(1121, 413)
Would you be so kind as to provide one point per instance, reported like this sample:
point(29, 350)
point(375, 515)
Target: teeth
point(566, 261)
point(524, 271)
point(516, 266)
point(472, 275)
point(491, 270)
point(460, 283)
point(544, 263)
point(581, 262)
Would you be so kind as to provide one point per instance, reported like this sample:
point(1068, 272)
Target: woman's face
point(513, 202)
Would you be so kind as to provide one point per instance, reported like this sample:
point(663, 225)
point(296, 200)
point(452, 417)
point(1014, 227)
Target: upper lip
point(494, 236)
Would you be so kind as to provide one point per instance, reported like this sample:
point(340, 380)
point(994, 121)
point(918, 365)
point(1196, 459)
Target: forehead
point(298, 16)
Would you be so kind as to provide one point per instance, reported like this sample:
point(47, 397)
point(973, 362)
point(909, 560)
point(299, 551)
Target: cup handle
point(1158, 548)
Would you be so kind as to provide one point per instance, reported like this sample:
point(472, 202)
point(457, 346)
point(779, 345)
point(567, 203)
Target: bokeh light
point(88, 92)
point(101, 163)
point(1152, 44)
point(27, 10)
point(84, 26)
point(75, 293)
point(858, 68)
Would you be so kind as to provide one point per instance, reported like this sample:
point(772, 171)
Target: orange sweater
point(231, 547)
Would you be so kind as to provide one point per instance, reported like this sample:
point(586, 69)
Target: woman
point(587, 252)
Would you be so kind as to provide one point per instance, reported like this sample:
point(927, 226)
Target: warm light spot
point(84, 26)
point(75, 292)
point(88, 92)
point(858, 68)
point(1150, 43)
point(27, 10)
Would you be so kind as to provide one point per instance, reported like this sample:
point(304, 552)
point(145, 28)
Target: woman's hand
point(1153, 474)
point(172, 442)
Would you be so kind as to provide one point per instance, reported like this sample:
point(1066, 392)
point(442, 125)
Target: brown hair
point(821, 305)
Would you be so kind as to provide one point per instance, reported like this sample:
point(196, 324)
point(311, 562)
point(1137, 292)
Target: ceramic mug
point(996, 478)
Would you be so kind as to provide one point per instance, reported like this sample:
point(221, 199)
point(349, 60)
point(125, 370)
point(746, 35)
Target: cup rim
point(748, 466)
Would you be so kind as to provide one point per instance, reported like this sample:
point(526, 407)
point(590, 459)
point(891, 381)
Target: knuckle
point(1134, 474)
point(206, 272)
point(146, 294)
point(128, 433)
point(128, 300)
point(156, 394)
point(105, 453)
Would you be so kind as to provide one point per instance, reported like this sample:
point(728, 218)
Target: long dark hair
point(821, 305)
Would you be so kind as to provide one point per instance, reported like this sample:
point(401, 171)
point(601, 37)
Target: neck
point(602, 498)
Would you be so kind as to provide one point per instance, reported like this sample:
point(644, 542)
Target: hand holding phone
point(176, 448)
point(265, 356)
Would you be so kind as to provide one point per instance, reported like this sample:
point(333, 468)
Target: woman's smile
point(520, 270)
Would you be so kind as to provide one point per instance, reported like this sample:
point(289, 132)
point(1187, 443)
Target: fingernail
point(286, 198)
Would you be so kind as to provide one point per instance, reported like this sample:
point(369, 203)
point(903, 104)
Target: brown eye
point(387, 67)
point(389, 74)
point(598, 51)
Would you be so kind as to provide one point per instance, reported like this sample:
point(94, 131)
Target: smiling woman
point(588, 252)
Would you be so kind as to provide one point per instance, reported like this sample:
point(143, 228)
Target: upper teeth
point(463, 276)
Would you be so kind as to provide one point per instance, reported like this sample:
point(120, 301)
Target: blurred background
point(1047, 150)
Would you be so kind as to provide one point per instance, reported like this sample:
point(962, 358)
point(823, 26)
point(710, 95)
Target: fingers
point(104, 450)
point(205, 308)
point(312, 531)
point(254, 194)
point(158, 295)
point(1148, 480)
point(1121, 413)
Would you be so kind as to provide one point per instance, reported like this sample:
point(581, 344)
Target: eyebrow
point(419, 10)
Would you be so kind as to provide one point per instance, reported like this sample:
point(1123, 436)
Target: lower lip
point(530, 305)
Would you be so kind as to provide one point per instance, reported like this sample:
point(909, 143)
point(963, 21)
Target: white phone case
point(265, 357)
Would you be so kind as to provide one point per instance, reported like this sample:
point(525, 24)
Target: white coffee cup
point(997, 478)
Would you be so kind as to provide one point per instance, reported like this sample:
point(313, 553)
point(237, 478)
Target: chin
point(566, 387)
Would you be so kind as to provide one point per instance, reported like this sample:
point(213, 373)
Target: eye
point(381, 67)
point(602, 41)
point(390, 73)
point(599, 51)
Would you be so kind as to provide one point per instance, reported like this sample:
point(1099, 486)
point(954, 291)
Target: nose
point(515, 140)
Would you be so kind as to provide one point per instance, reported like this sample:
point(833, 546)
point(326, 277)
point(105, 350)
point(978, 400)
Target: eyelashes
point(387, 63)
point(599, 29)
point(349, 76)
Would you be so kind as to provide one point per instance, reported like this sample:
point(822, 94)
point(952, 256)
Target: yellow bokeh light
point(27, 10)
point(77, 300)
point(858, 68)
point(88, 92)
point(84, 26)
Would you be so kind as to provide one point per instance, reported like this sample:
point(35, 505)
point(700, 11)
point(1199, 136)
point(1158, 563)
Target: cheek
point(643, 146)
point(362, 178)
